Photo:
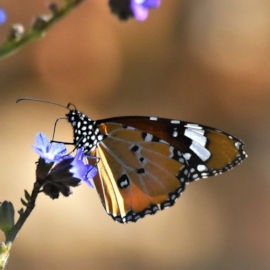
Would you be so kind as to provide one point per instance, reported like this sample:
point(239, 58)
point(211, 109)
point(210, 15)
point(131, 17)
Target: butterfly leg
point(55, 124)
point(94, 165)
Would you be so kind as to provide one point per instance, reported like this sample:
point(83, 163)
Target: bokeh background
point(204, 61)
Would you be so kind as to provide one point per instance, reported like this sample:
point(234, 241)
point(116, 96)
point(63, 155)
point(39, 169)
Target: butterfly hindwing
point(136, 177)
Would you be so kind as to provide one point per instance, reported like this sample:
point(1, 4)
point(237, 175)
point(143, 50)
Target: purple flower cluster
point(58, 172)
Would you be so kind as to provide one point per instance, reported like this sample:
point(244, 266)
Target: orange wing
point(136, 177)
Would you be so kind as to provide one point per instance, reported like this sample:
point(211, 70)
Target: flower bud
point(16, 32)
point(41, 21)
point(6, 216)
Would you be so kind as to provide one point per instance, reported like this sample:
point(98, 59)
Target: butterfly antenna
point(44, 101)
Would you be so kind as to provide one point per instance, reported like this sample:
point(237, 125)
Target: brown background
point(204, 61)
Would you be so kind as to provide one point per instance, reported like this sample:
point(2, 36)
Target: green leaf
point(24, 202)
point(27, 195)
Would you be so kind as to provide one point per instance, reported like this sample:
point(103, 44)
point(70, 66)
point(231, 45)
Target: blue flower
point(81, 170)
point(57, 172)
point(3, 16)
point(140, 8)
point(50, 152)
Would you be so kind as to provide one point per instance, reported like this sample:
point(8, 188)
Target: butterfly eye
point(71, 106)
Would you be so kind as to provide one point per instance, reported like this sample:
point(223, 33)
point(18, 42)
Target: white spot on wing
point(148, 137)
point(237, 145)
point(187, 156)
point(153, 118)
point(200, 151)
point(190, 125)
point(201, 168)
point(200, 131)
point(100, 137)
point(175, 134)
point(171, 151)
point(175, 122)
point(194, 136)
point(131, 128)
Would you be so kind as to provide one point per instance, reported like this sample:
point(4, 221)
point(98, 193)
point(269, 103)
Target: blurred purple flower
point(50, 152)
point(126, 9)
point(140, 8)
point(3, 16)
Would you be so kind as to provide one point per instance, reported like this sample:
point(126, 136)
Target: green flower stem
point(12, 45)
point(11, 235)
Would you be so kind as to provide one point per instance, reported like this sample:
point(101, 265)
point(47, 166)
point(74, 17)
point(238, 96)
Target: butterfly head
point(75, 117)
point(86, 133)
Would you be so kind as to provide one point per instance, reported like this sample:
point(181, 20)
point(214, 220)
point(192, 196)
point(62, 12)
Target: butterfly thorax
point(86, 133)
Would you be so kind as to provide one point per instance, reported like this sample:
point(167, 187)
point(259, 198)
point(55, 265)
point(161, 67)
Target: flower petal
point(151, 3)
point(42, 141)
point(50, 152)
point(140, 12)
point(92, 172)
point(81, 170)
point(58, 148)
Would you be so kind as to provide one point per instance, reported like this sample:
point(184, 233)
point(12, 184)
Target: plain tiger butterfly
point(144, 163)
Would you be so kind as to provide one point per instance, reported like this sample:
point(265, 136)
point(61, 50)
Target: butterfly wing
point(136, 177)
point(144, 162)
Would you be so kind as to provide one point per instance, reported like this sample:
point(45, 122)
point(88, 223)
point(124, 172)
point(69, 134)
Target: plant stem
point(36, 32)
point(11, 235)
point(24, 215)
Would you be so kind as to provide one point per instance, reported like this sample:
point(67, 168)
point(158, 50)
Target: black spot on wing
point(134, 148)
point(123, 181)
point(141, 171)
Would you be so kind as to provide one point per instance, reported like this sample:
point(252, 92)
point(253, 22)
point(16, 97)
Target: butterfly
point(144, 163)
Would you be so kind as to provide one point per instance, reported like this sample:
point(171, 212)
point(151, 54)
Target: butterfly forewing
point(207, 151)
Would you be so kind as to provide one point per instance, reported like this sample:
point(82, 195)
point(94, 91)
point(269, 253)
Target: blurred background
point(203, 61)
